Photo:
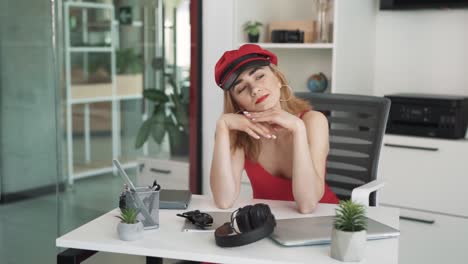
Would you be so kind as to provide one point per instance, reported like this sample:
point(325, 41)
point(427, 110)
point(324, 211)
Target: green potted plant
point(349, 233)
point(129, 69)
point(129, 228)
point(252, 28)
point(169, 115)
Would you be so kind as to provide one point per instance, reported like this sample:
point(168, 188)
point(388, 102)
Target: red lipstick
point(261, 99)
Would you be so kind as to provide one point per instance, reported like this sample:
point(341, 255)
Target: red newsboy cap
point(233, 62)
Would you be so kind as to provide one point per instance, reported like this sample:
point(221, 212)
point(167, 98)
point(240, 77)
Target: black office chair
point(357, 125)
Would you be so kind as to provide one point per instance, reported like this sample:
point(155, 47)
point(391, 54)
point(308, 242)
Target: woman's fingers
point(252, 133)
point(261, 130)
point(264, 128)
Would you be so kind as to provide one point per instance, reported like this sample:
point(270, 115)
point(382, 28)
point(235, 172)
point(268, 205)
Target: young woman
point(276, 137)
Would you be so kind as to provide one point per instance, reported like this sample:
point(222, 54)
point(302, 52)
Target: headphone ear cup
point(242, 219)
point(256, 216)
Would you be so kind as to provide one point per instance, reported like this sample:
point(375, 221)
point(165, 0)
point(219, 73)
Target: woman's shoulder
point(314, 118)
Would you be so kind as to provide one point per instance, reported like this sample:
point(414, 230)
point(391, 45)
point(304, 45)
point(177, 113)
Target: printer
point(428, 115)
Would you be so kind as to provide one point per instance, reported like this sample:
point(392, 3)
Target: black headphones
point(254, 223)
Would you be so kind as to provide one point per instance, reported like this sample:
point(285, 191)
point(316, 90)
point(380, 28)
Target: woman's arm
point(309, 160)
point(226, 168)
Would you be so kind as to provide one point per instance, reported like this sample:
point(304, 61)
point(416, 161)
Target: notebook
point(317, 230)
point(174, 199)
point(168, 198)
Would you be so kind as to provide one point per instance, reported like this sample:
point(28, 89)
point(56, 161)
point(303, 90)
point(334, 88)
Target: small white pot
point(348, 246)
point(129, 232)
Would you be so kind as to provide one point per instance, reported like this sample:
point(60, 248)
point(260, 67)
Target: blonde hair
point(289, 103)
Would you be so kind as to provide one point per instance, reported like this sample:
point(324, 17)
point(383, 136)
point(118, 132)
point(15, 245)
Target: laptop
point(317, 231)
point(168, 198)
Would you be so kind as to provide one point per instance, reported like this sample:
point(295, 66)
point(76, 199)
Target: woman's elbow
point(306, 207)
point(223, 204)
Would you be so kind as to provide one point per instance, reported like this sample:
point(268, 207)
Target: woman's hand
point(242, 123)
point(276, 118)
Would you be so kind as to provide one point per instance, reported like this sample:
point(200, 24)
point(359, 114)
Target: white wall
point(217, 38)
point(424, 51)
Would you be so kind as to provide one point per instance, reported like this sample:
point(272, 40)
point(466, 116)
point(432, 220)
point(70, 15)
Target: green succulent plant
point(350, 217)
point(128, 215)
point(252, 27)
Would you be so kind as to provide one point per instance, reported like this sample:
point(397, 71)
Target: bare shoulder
point(315, 120)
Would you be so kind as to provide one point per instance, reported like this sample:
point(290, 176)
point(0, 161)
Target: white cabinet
point(347, 61)
point(425, 174)
point(444, 241)
point(170, 174)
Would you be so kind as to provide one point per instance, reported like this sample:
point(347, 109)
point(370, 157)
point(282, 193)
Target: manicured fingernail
point(268, 136)
point(257, 137)
point(245, 112)
point(274, 137)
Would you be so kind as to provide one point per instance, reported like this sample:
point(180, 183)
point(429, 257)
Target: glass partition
point(72, 76)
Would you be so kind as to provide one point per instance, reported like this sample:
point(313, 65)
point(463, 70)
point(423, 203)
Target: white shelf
point(91, 49)
point(294, 45)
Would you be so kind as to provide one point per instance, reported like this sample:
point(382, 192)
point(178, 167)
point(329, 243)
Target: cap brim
point(233, 77)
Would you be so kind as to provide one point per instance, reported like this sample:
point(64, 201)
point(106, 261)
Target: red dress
point(267, 186)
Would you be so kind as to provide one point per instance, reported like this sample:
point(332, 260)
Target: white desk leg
point(87, 136)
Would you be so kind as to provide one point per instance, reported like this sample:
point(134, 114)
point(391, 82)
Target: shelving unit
point(347, 61)
point(76, 93)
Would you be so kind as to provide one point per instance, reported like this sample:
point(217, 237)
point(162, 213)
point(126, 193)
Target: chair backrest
point(357, 125)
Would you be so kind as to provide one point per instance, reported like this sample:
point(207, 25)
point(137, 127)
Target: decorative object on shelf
point(253, 30)
point(129, 228)
point(129, 68)
point(349, 233)
point(317, 83)
point(128, 61)
point(305, 27)
point(287, 36)
point(174, 121)
point(322, 7)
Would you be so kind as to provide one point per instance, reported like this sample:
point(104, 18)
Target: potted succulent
point(129, 228)
point(169, 115)
point(349, 233)
point(252, 28)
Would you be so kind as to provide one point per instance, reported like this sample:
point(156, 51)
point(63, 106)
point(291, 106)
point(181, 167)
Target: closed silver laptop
point(317, 230)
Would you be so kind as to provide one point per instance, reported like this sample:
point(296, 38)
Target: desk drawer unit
point(443, 241)
point(170, 174)
point(425, 174)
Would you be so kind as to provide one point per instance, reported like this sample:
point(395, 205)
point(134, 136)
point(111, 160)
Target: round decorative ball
point(317, 83)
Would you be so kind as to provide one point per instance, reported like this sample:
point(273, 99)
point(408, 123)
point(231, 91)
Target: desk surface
point(170, 242)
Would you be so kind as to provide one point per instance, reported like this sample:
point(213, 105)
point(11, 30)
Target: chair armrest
point(361, 193)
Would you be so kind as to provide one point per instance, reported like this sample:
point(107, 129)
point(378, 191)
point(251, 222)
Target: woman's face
point(256, 89)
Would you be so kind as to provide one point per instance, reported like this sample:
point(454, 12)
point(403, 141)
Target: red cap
point(233, 62)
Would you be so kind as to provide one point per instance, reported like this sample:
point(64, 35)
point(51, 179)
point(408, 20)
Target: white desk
point(170, 242)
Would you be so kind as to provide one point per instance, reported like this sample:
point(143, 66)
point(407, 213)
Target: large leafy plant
point(170, 114)
point(350, 217)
